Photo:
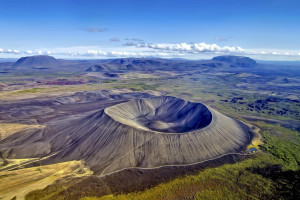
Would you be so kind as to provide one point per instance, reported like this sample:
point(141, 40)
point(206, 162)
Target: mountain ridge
point(132, 64)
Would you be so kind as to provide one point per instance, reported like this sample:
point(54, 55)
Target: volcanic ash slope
point(144, 133)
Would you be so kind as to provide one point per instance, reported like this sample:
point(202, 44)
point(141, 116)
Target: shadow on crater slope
point(139, 133)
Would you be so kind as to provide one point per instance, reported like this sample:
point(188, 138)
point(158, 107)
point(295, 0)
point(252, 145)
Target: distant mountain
point(131, 64)
point(153, 64)
point(140, 64)
point(236, 61)
point(41, 61)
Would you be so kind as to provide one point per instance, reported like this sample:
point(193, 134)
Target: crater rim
point(156, 116)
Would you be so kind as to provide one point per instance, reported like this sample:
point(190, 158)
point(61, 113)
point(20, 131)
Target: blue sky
point(268, 29)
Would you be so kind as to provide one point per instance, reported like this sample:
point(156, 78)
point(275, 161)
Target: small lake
point(252, 150)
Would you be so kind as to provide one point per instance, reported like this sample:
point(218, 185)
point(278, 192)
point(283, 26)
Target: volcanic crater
point(161, 114)
point(129, 132)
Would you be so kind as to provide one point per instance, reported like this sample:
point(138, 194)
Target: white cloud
point(121, 53)
point(29, 52)
point(164, 50)
point(12, 51)
point(192, 48)
point(113, 53)
point(50, 52)
point(96, 53)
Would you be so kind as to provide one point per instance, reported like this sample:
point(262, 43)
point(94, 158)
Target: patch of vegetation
point(138, 87)
point(230, 181)
point(287, 183)
point(48, 193)
point(110, 81)
point(287, 153)
point(32, 90)
point(282, 143)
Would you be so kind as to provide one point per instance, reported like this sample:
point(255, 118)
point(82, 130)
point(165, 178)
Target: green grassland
point(226, 182)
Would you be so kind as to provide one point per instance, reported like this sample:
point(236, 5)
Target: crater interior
point(163, 114)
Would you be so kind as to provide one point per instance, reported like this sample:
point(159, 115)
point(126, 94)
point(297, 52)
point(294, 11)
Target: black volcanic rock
point(41, 61)
point(238, 61)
